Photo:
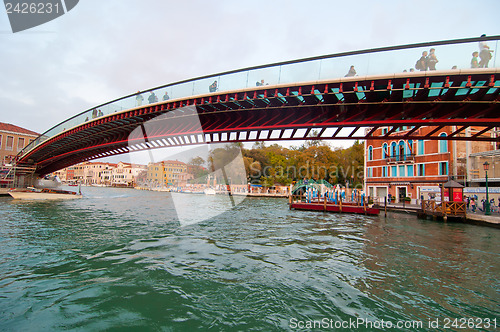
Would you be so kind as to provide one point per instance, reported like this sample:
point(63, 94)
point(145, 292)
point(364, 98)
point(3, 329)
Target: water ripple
point(120, 259)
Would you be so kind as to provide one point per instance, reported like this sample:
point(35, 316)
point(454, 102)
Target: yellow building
point(154, 176)
point(167, 173)
point(175, 173)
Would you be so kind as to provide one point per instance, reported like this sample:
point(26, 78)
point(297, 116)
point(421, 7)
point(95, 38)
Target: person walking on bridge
point(152, 98)
point(352, 72)
point(484, 53)
point(422, 63)
point(432, 59)
point(213, 87)
point(139, 98)
point(474, 63)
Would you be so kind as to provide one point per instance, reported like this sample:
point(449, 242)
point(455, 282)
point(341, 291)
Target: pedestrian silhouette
point(213, 87)
point(474, 63)
point(484, 53)
point(432, 59)
point(422, 64)
point(351, 72)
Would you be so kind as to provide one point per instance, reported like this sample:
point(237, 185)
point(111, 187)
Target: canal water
point(120, 259)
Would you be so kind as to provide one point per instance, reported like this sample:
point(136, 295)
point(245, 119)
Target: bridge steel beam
point(437, 99)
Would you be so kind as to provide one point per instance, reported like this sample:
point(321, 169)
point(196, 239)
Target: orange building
point(411, 169)
point(12, 140)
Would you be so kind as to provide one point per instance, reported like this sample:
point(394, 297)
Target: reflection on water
point(120, 259)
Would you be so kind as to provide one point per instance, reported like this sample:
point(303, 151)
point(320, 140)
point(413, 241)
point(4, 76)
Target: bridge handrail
point(310, 69)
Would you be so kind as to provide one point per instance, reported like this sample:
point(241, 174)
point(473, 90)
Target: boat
point(33, 193)
point(209, 191)
point(50, 182)
point(322, 196)
point(330, 207)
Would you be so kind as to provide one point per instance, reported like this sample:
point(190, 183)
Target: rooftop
point(16, 129)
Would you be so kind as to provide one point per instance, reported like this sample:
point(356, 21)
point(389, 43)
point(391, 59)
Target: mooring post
point(385, 206)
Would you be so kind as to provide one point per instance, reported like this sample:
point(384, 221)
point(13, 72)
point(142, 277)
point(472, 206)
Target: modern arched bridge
point(301, 99)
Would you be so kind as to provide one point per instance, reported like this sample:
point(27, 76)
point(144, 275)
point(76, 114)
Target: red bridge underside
point(288, 112)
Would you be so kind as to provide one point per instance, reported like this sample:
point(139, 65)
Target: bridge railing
point(451, 55)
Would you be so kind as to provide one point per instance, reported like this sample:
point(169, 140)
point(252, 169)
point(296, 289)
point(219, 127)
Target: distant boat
point(209, 191)
point(32, 193)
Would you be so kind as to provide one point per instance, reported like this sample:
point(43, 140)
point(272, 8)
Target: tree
point(196, 161)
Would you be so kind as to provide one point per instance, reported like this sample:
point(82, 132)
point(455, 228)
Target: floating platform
point(330, 207)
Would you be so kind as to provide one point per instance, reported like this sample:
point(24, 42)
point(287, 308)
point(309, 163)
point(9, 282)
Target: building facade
point(12, 140)
point(405, 169)
point(102, 174)
point(125, 174)
point(168, 173)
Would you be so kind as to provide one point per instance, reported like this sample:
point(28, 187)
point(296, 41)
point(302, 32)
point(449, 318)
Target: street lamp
point(487, 211)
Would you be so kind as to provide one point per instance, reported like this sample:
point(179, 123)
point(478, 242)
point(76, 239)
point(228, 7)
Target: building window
point(10, 143)
point(394, 171)
point(401, 148)
point(1, 141)
point(393, 149)
point(20, 143)
point(384, 151)
point(370, 152)
point(402, 170)
point(443, 145)
point(410, 170)
point(421, 170)
point(384, 172)
point(421, 149)
point(443, 168)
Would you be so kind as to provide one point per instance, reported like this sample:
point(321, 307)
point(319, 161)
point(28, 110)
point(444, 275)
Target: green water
point(119, 259)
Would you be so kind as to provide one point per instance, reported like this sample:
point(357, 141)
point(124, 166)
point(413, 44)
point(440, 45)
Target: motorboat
point(209, 191)
point(33, 193)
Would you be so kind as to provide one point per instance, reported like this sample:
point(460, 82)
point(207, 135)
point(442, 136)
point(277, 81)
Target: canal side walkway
point(477, 217)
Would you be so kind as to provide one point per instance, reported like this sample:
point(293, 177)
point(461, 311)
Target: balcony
point(401, 159)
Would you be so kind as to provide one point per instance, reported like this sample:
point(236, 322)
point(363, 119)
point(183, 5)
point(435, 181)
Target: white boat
point(209, 191)
point(51, 182)
point(32, 193)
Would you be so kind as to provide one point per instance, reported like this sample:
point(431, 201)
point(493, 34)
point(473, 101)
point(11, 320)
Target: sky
point(103, 50)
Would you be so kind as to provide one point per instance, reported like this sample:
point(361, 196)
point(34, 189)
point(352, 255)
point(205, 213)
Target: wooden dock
point(445, 210)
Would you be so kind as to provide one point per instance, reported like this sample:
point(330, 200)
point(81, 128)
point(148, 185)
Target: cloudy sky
point(102, 50)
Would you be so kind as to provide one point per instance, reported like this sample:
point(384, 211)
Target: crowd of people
point(428, 61)
point(473, 204)
point(480, 58)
